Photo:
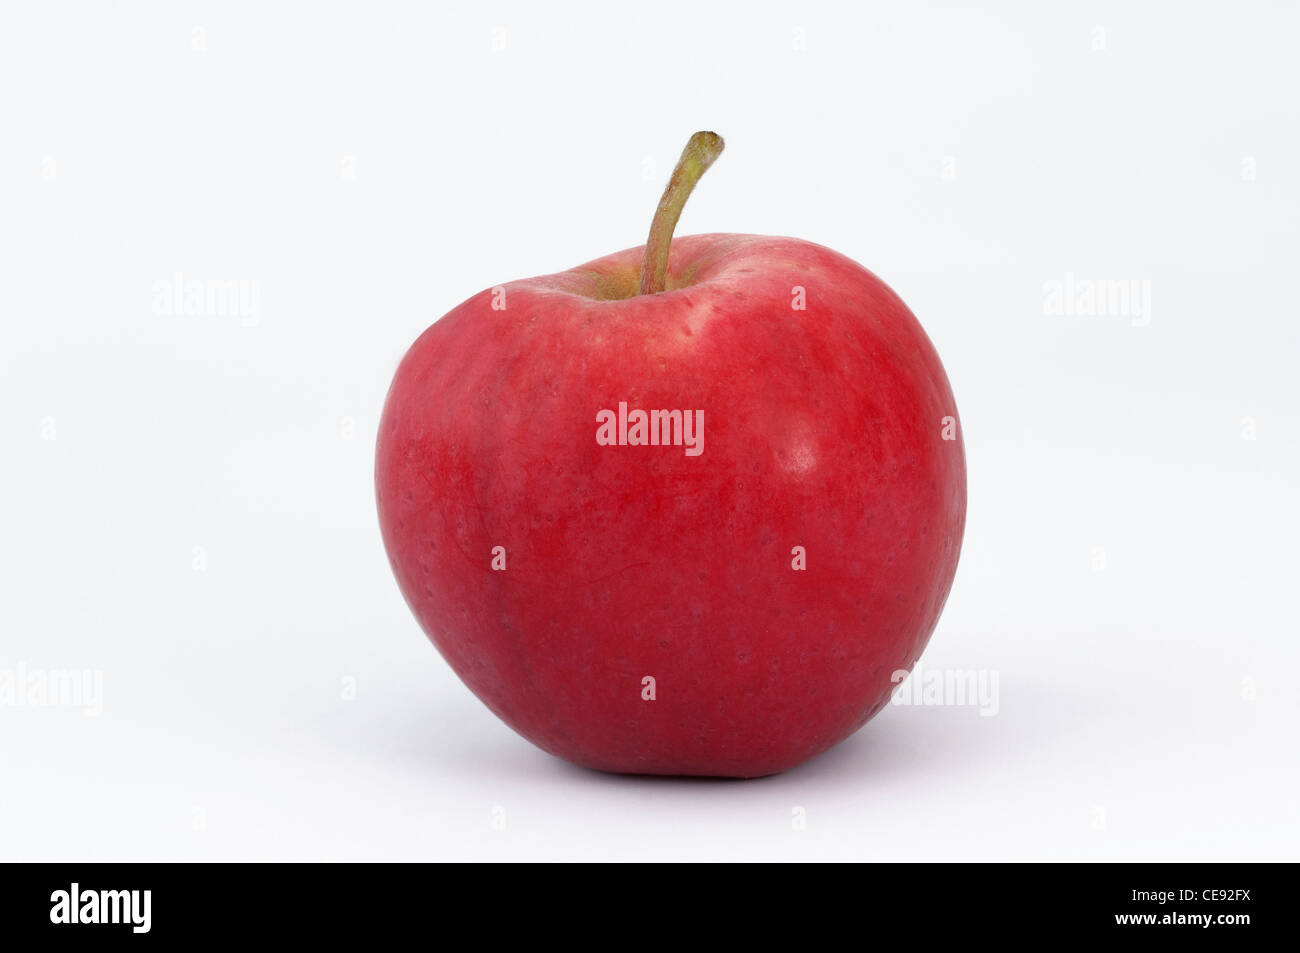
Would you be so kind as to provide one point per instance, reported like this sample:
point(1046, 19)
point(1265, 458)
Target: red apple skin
point(823, 428)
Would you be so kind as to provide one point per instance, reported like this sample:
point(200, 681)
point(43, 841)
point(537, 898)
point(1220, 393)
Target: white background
point(187, 500)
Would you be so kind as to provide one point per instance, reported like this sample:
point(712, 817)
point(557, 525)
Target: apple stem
point(700, 152)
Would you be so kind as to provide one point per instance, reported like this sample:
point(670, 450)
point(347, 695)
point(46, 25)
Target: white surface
point(372, 168)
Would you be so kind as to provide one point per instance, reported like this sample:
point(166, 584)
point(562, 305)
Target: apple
point(688, 509)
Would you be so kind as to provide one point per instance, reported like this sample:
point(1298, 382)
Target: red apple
point(630, 596)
